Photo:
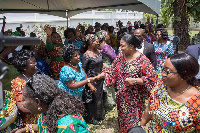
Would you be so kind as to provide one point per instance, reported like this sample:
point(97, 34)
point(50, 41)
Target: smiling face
point(170, 76)
point(125, 47)
point(158, 35)
point(75, 58)
point(55, 38)
point(31, 66)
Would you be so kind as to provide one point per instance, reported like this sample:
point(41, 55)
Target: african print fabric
point(17, 86)
point(162, 51)
point(67, 124)
point(57, 61)
point(9, 115)
point(170, 116)
point(131, 98)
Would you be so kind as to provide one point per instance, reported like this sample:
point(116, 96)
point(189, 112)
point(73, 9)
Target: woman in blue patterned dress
point(72, 76)
point(163, 48)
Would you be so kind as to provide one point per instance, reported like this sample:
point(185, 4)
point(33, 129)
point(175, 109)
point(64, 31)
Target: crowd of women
point(91, 73)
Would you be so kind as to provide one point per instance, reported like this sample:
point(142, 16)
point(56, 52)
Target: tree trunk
point(181, 23)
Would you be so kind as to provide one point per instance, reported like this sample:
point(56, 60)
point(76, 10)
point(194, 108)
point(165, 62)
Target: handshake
point(96, 78)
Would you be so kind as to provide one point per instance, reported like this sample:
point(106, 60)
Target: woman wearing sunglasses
point(25, 63)
point(60, 111)
point(174, 104)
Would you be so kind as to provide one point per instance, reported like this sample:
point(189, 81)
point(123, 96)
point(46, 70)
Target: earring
point(39, 108)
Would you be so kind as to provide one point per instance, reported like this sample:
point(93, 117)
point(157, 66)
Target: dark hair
point(164, 33)
point(58, 100)
point(187, 67)
point(132, 40)
point(159, 26)
point(68, 52)
point(32, 34)
point(69, 30)
point(21, 58)
point(109, 28)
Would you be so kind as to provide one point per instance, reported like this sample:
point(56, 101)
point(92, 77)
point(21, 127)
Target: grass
point(108, 125)
point(191, 33)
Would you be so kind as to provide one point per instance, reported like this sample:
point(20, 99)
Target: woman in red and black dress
point(134, 76)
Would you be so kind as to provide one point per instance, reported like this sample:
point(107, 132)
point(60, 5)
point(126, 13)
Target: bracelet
point(27, 130)
point(88, 80)
point(32, 131)
point(135, 82)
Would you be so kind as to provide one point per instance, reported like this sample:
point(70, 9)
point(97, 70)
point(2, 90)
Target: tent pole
point(156, 21)
point(67, 22)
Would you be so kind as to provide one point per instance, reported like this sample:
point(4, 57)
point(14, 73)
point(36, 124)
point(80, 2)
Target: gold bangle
point(27, 131)
point(32, 131)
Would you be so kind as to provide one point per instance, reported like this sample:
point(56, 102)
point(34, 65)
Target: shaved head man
point(147, 48)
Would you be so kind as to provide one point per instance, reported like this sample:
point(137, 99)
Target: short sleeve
point(109, 51)
point(67, 74)
point(17, 86)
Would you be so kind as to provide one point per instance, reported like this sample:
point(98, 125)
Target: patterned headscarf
point(102, 34)
point(90, 37)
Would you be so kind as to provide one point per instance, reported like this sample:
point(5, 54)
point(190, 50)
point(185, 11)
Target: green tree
point(179, 11)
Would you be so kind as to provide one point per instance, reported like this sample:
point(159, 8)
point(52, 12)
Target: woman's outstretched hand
point(93, 89)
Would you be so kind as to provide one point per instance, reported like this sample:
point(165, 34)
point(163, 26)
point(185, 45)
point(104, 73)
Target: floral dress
point(162, 51)
point(131, 98)
point(67, 124)
point(171, 116)
point(69, 74)
point(17, 86)
point(57, 61)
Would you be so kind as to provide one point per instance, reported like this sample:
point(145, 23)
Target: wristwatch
point(135, 81)
point(88, 80)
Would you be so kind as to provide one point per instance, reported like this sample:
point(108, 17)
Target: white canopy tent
point(73, 7)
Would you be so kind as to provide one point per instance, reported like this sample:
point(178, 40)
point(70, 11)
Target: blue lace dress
point(69, 74)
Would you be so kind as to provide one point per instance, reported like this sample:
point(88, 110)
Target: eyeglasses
point(166, 72)
point(30, 81)
point(158, 34)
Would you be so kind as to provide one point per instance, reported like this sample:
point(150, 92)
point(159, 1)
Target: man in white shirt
point(147, 48)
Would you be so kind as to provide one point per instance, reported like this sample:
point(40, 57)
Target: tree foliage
point(167, 11)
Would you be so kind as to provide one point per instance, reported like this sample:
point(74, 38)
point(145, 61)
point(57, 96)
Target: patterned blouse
point(69, 74)
point(170, 116)
point(162, 51)
point(17, 86)
point(67, 124)
point(57, 61)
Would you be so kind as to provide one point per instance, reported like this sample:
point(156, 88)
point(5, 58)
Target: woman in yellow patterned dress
point(25, 63)
point(174, 104)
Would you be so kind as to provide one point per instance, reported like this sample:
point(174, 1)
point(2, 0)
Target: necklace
point(73, 65)
point(184, 90)
point(25, 76)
